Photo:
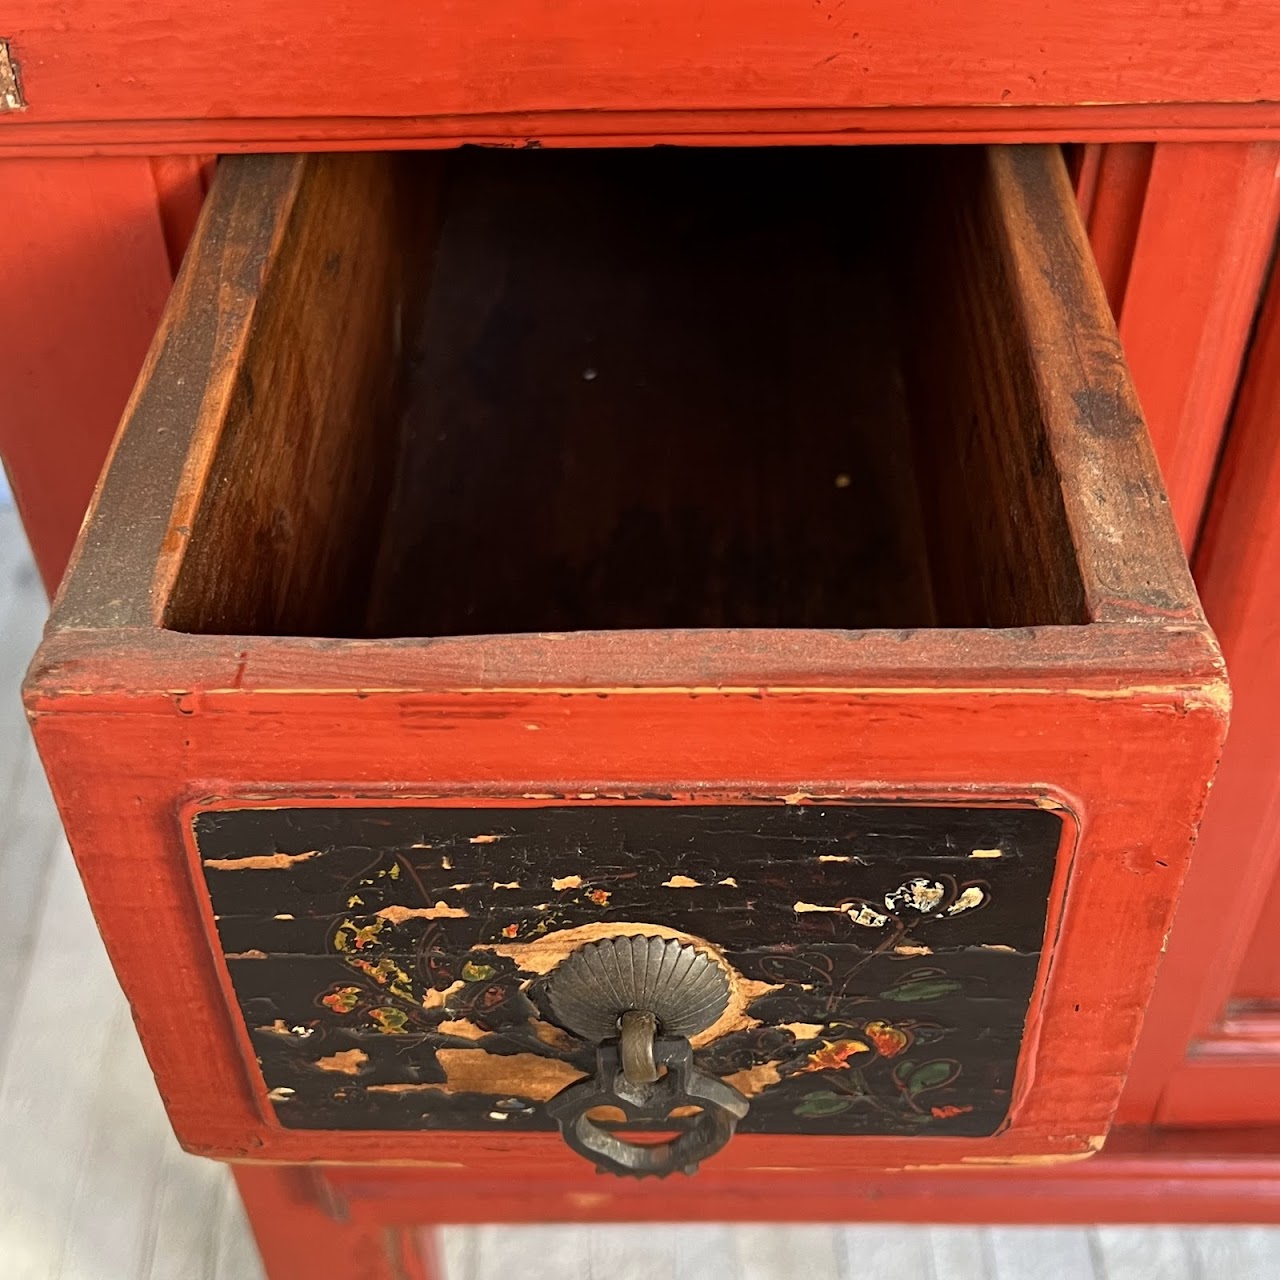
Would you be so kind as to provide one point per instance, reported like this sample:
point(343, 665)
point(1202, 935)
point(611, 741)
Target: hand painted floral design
point(390, 1021)
point(834, 1055)
point(888, 1039)
point(921, 986)
point(342, 1000)
point(869, 1062)
point(351, 936)
point(913, 1079)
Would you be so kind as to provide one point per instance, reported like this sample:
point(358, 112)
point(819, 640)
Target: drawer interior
point(525, 391)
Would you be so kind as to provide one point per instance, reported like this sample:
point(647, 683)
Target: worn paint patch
point(682, 882)
point(440, 911)
point(522, 1075)
point(435, 998)
point(1033, 1160)
point(803, 1030)
point(11, 95)
point(463, 1028)
point(987, 853)
point(281, 1028)
point(553, 1037)
point(971, 896)
point(567, 882)
point(346, 1061)
point(751, 1081)
point(261, 862)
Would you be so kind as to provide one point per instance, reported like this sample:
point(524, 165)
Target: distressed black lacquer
point(390, 963)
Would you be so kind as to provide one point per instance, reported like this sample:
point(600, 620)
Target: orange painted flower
point(834, 1055)
point(343, 1000)
point(945, 1113)
point(888, 1039)
point(599, 896)
point(390, 1021)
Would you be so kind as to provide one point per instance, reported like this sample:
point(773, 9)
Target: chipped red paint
point(54, 449)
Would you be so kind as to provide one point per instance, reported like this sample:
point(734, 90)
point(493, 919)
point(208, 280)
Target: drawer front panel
point(389, 964)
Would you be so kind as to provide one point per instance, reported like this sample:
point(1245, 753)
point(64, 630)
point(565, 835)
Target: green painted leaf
point(931, 1075)
point(823, 1103)
point(473, 972)
point(921, 989)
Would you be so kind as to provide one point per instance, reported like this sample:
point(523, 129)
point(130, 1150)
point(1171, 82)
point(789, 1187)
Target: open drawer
point(510, 554)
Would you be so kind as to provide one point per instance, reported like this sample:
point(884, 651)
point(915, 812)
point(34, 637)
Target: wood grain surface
point(223, 76)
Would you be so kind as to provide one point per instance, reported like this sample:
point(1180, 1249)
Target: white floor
point(93, 1187)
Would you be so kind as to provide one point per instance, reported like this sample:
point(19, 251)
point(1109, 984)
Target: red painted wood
point(172, 745)
point(1208, 223)
point(747, 126)
point(1083, 161)
point(352, 1217)
point(210, 77)
point(182, 182)
point(1258, 979)
point(1148, 1177)
point(1112, 196)
point(86, 274)
point(302, 1235)
point(1216, 1090)
point(1259, 976)
point(1225, 898)
point(1250, 1029)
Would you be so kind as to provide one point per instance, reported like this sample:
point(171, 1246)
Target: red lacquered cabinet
point(518, 562)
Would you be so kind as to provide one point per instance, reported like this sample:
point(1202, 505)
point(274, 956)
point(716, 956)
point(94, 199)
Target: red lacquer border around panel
point(851, 795)
point(119, 803)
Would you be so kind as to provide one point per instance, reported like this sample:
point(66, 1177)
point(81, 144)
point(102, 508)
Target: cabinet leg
point(300, 1238)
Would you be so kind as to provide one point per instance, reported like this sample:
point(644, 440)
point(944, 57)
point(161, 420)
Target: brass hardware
point(639, 999)
point(639, 1029)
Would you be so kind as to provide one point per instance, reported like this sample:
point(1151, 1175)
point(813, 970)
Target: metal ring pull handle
point(638, 1029)
point(640, 999)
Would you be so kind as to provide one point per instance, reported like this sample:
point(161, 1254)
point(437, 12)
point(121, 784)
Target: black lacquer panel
point(389, 962)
